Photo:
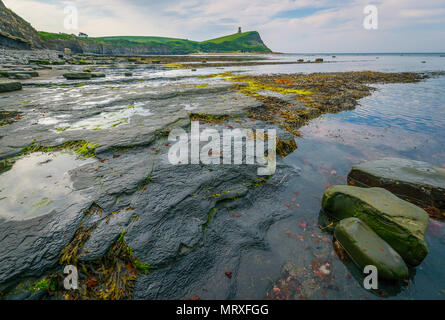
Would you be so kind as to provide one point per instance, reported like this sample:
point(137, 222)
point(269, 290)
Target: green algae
point(401, 224)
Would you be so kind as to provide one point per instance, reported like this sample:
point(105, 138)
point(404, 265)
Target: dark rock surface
point(9, 85)
point(177, 218)
point(408, 179)
point(78, 75)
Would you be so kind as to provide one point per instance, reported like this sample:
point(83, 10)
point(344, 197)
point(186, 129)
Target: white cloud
point(404, 25)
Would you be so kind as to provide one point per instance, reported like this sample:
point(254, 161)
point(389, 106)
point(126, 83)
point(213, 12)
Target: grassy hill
point(232, 37)
point(244, 42)
point(239, 42)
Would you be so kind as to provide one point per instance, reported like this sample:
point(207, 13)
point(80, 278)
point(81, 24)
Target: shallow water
point(37, 184)
point(398, 120)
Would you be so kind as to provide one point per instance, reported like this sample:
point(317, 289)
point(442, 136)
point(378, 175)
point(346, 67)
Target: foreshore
point(135, 225)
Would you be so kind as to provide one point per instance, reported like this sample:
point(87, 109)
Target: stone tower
point(239, 29)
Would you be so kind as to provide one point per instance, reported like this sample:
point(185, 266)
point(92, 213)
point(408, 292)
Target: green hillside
point(244, 42)
point(232, 37)
point(239, 42)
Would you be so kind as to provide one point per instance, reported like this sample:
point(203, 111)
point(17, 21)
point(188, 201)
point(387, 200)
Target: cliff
point(15, 32)
point(239, 42)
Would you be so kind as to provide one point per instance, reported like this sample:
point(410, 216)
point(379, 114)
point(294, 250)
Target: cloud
point(285, 25)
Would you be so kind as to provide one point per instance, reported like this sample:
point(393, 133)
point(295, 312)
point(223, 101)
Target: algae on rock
point(401, 224)
point(366, 248)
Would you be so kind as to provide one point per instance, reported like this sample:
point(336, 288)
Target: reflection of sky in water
point(405, 120)
point(37, 184)
point(399, 120)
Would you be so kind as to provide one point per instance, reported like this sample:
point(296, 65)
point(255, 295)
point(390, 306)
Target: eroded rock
point(408, 179)
point(78, 76)
point(366, 248)
point(9, 85)
point(401, 224)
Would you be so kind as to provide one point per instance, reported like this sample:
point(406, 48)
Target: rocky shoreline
point(136, 226)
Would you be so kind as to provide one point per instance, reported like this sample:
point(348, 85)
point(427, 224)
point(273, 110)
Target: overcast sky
point(285, 25)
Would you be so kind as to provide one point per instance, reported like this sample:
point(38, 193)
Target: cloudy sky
point(285, 25)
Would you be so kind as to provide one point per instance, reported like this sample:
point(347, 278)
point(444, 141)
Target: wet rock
point(128, 74)
point(414, 180)
point(401, 224)
point(9, 85)
point(78, 76)
point(13, 73)
point(21, 76)
point(43, 62)
point(366, 248)
point(97, 75)
point(319, 60)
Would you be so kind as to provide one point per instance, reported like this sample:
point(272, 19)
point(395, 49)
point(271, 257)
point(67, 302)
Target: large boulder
point(417, 181)
point(78, 75)
point(400, 223)
point(366, 248)
point(9, 85)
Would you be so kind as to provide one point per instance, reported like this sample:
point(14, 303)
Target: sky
point(299, 26)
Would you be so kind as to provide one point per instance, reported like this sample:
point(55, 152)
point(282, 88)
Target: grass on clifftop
point(232, 37)
point(238, 42)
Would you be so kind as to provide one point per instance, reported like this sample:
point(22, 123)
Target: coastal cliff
point(15, 32)
point(239, 42)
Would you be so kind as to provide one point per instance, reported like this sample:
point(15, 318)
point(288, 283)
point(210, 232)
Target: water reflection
point(37, 184)
point(400, 120)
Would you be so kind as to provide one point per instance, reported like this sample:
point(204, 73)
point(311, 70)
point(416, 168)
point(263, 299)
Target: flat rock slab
point(16, 72)
point(78, 75)
point(97, 75)
point(9, 85)
point(408, 179)
point(21, 76)
point(366, 248)
point(400, 223)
